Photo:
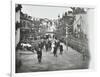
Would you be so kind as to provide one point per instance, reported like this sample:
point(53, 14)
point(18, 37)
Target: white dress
point(53, 45)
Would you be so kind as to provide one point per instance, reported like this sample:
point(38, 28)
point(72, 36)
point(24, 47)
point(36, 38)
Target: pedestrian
point(61, 49)
point(40, 45)
point(47, 45)
point(55, 50)
point(57, 43)
point(52, 46)
point(39, 55)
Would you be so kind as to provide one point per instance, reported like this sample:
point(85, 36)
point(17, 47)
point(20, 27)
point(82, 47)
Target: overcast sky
point(44, 11)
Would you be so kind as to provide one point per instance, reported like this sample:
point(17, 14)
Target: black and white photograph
point(51, 38)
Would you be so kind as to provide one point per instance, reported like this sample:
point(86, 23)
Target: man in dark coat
point(40, 45)
point(39, 55)
point(55, 50)
point(61, 49)
point(47, 46)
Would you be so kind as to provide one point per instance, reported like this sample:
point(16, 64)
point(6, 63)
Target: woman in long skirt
point(52, 47)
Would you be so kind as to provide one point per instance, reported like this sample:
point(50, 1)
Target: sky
point(44, 11)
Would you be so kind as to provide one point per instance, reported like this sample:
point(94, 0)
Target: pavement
point(70, 59)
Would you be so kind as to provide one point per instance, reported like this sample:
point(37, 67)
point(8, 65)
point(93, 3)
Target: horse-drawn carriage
point(28, 45)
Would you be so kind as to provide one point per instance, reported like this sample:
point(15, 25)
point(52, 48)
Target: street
point(70, 59)
point(49, 29)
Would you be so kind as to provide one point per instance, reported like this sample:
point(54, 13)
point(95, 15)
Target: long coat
point(61, 48)
point(55, 50)
point(39, 54)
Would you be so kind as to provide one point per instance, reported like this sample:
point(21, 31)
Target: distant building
point(80, 25)
point(26, 27)
point(26, 21)
point(67, 21)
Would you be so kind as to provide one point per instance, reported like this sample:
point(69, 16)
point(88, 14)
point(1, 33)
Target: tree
point(18, 7)
point(78, 10)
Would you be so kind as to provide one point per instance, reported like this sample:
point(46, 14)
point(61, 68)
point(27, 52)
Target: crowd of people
point(50, 45)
